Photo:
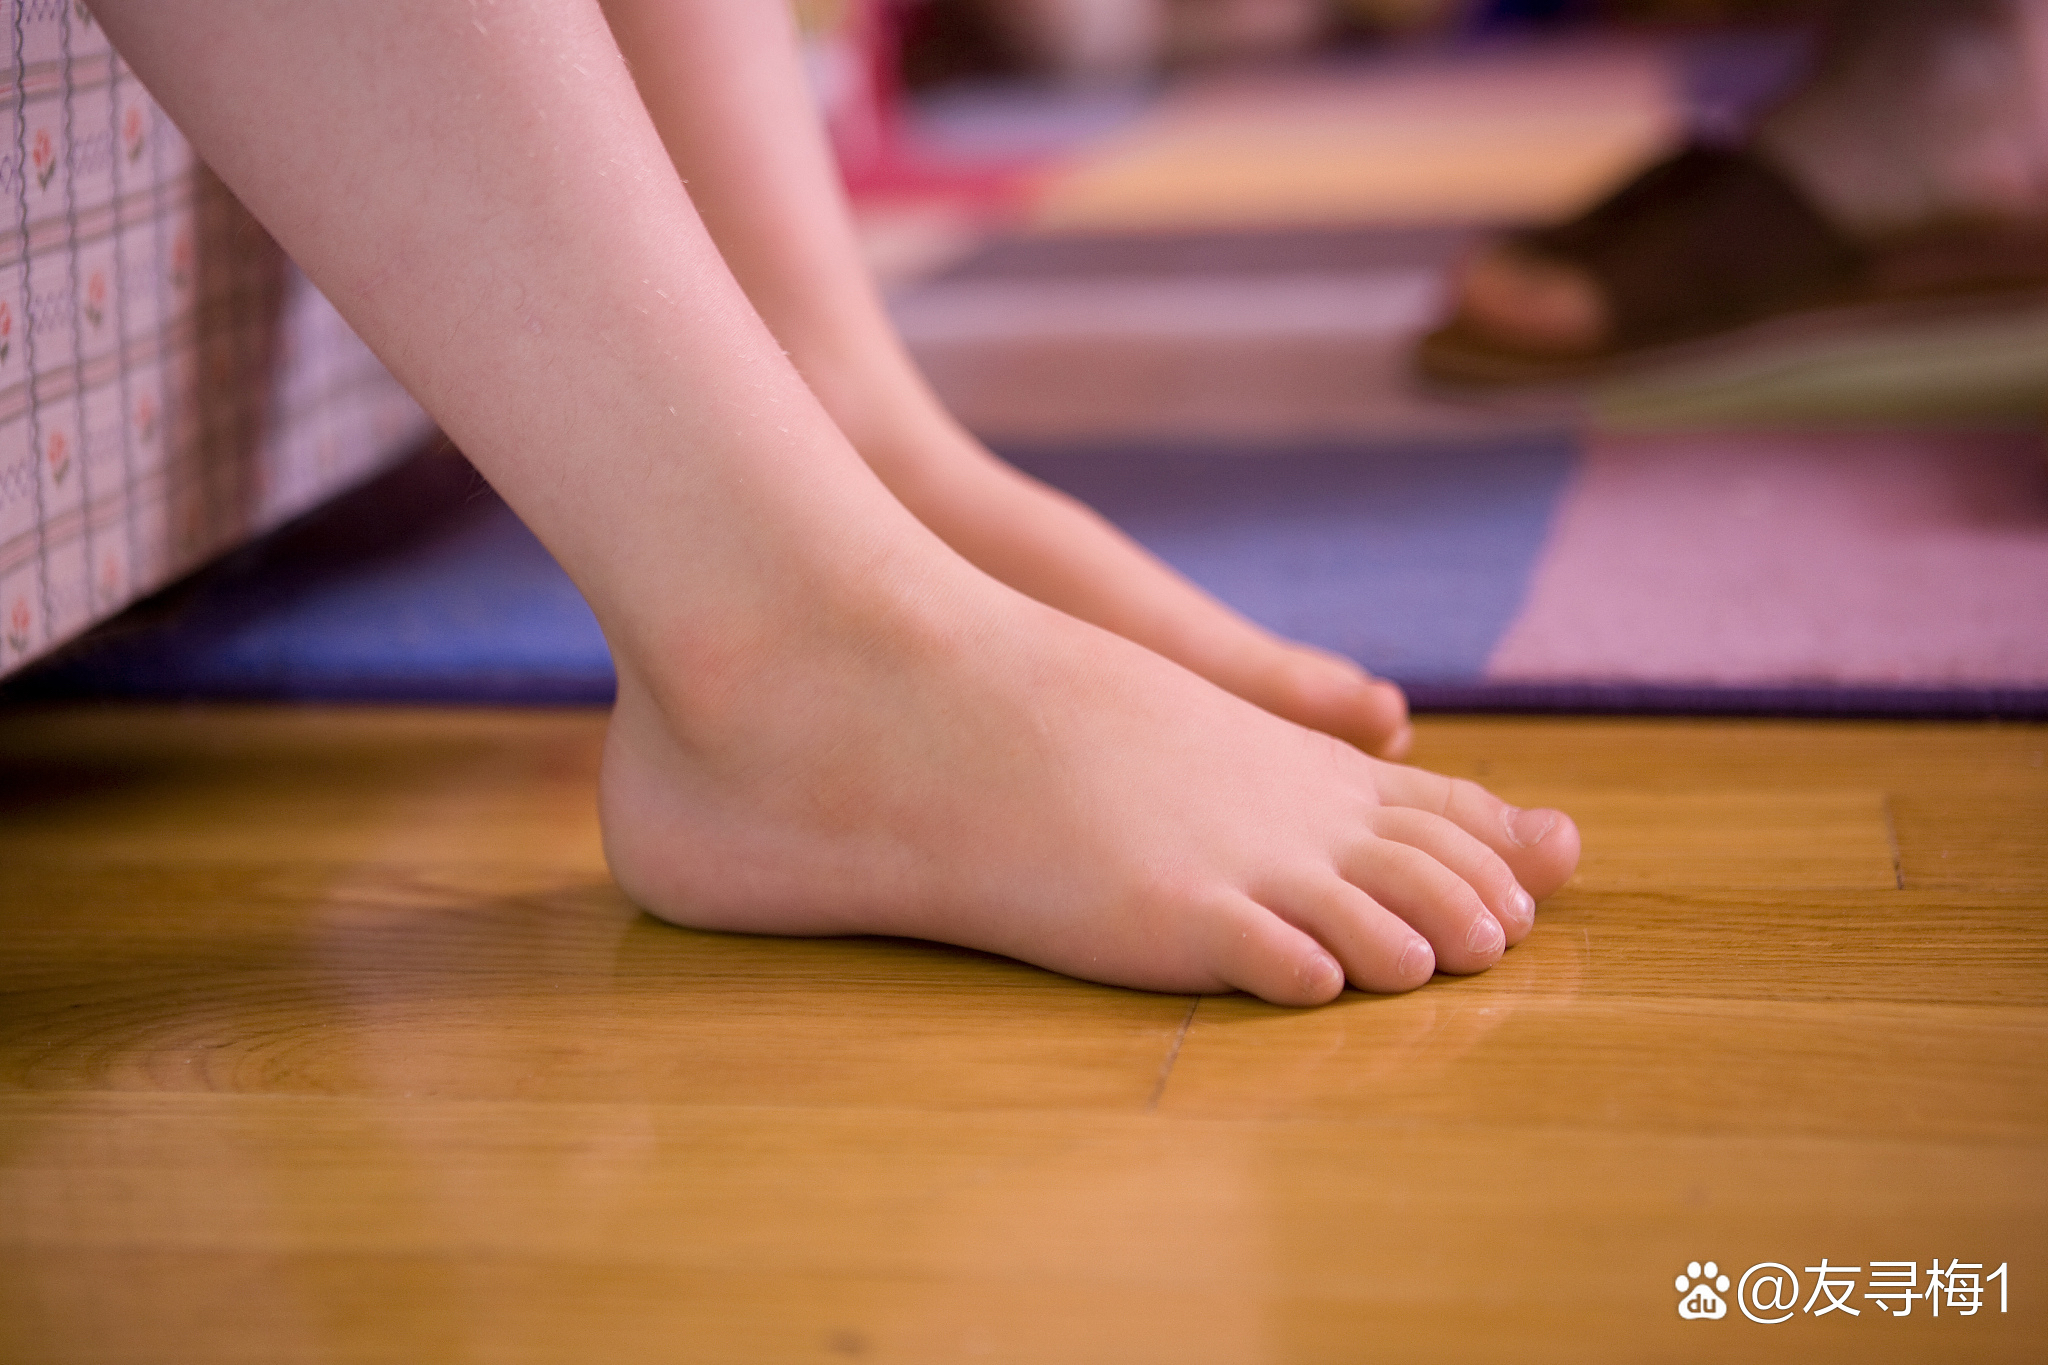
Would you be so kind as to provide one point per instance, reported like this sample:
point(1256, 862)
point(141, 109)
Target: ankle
point(886, 607)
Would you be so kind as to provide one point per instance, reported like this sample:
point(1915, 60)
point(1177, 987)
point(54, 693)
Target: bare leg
point(827, 720)
point(722, 82)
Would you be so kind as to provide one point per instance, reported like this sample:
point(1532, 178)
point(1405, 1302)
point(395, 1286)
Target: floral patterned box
point(170, 386)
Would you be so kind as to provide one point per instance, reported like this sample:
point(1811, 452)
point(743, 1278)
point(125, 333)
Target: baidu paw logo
point(1696, 1292)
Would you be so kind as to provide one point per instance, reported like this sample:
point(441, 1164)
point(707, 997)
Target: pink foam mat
point(1895, 560)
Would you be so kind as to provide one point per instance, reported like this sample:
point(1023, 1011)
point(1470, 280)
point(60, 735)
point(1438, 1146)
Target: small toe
point(1478, 866)
point(1436, 902)
point(1379, 951)
point(1541, 846)
point(1265, 955)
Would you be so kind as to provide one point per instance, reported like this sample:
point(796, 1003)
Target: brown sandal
point(1715, 242)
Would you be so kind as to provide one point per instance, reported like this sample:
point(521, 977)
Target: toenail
point(1521, 907)
point(1526, 828)
point(1485, 936)
point(1321, 974)
point(1418, 959)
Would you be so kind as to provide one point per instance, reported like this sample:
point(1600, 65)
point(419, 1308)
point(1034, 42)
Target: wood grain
point(323, 1036)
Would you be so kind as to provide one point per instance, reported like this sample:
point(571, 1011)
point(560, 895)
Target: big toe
point(1330, 693)
point(1540, 846)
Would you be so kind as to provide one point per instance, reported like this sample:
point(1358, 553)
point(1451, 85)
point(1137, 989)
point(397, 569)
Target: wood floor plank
point(1487, 1058)
point(511, 982)
point(928, 1235)
point(1757, 838)
point(1992, 836)
point(504, 983)
point(247, 1309)
point(318, 784)
point(1909, 946)
point(1690, 754)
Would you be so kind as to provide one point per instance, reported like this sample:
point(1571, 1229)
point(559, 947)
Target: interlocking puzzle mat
point(1903, 575)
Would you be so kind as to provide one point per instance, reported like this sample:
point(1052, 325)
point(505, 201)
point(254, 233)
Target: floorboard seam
point(1173, 1054)
point(1891, 837)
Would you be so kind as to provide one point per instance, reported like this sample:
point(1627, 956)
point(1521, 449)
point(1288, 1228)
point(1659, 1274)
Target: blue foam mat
point(1411, 557)
point(422, 586)
point(419, 586)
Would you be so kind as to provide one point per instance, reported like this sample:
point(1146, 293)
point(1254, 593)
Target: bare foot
point(827, 721)
point(959, 763)
point(1052, 548)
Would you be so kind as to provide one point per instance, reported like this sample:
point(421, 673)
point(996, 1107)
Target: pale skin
point(907, 694)
point(714, 77)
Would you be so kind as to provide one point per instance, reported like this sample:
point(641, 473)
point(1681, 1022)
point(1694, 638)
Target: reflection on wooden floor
point(323, 1036)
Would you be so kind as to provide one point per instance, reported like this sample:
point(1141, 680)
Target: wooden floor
point(324, 1037)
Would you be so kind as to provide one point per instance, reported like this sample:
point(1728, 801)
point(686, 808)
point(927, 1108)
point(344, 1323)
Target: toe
point(1443, 907)
point(1541, 846)
point(1330, 693)
point(1264, 955)
point(1478, 866)
point(1378, 950)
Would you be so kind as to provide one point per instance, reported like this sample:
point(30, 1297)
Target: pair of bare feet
point(870, 679)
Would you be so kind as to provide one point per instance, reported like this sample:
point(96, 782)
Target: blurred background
point(1410, 134)
point(1558, 355)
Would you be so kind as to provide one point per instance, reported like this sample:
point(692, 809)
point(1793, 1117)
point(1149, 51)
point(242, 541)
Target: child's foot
point(958, 763)
point(1054, 549)
point(827, 721)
